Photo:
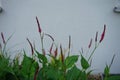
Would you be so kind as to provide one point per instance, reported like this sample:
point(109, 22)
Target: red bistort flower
point(39, 28)
point(103, 34)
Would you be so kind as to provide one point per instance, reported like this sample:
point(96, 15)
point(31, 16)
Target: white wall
point(61, 18)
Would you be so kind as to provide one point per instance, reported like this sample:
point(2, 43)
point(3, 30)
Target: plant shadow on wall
point(56, 64)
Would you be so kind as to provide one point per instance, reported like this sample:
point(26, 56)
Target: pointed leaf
point(106, 70)
point(41, 57)
point(73, 73)
point(71, 60)
point(84, 63)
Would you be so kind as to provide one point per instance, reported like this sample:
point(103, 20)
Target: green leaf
point(28, 67)
point(71, 60)
point(84, 63)
point(89, 72)
point(41, 57)
point(50, 73)
point(114, 78)
point(73, 73)
point(83, 76)
point(106, 71)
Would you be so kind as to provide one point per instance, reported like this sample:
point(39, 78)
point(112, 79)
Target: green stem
point(41, 37)
point(93, 51)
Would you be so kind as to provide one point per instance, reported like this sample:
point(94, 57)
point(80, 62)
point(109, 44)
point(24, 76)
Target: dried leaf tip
point(39, 28)
point(103, 34)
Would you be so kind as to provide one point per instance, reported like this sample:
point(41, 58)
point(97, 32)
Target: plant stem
point(92, 53)
point(41, 37)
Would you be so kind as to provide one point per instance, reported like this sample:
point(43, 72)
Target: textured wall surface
point(61, 18)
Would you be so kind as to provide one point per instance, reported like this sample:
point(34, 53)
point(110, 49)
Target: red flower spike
point(50, 36)
point(103, 34)
point(3, 39)
point(62, 56)
point(90, 43)
point(51, 48)
point(96, 36)
point(36, 73)
point(32, 50)
point(39, 28)
point(56, 52)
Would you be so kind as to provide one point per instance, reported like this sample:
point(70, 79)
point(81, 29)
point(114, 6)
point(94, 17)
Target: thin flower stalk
point(50, 37)
point(50, 51)
point(61, 52)
point(112, 61)
point(3, 39)
point(36, 73)
point(82, 50)
point(44, 52)
point(92, 52)
point(69, 45)
point(56, 52)
point(96, 36)
point(32, 49)
point(41, 36)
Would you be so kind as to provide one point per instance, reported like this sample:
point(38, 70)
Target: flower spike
point(39, 28)
point(56, 52)
point(103, 34)
point(90, 43)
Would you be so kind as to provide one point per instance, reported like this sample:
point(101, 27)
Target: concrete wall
point(61, 18)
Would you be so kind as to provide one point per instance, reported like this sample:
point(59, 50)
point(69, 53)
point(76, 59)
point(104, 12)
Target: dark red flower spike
point(103, 34)
point(39, 28)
